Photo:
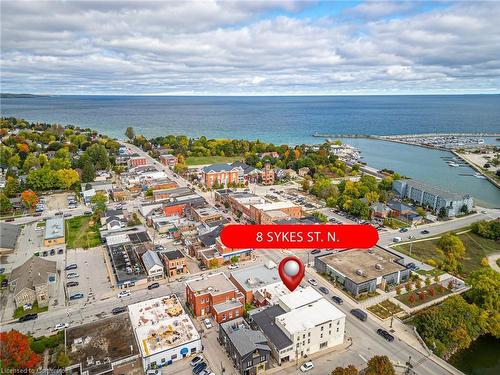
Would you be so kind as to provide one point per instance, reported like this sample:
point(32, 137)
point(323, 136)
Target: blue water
point(293, 120)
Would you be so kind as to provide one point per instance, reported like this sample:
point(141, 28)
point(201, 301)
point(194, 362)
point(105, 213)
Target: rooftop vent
point(359, 272)
point(379, 266)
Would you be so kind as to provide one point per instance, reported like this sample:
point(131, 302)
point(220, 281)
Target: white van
point(396, 239)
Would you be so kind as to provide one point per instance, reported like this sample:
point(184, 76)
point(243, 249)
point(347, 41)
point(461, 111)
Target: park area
point(206, 160)
point(476, 248)
point(81, 232)
point(385, 309)
point(423, 295)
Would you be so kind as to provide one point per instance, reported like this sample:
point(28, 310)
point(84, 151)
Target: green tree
point(454, 250)
point(99, 201)
point(99, 156)
point(485, 288)
point(87, 168)
point(11, 188)
point(129, 133)
point(14, 161)
point(31, 161)
point(62, 360)
point(379, 365)
point(359, 209)
point(5, 205)
point(42, 179)
point(421, 212)
point(349, 370)
point(372, 197)
point(68, 178)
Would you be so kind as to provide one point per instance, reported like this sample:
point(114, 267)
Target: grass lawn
point(202, 160)
point(405, 297)
point(476, 248)
point(40, 224)
point(80, 234)
point(384, 309)
point(34, 309)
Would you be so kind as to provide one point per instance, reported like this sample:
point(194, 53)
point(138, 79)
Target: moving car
point(396, 239)
point(72, 283)
point(60, 326)
point(316, 251)
point(307, 366)
point(196, 360)
point(76, 296)
point(312, 282)
point(124, 293)
point(72, 275)
point(338, 300)
point(322, 289)
point(403, 230)
point(233, 266)
point(27, 317)
point(425, 231)
point(118, 310)
point(386, 335)
point(71, 267)
point(153, 286)
point(208, 323)
point(360, 314)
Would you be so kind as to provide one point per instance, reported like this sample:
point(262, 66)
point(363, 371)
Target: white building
point(302, 323)
point(152, 265)
point(164, 332)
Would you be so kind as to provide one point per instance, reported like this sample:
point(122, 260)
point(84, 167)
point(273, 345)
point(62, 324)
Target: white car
point(307, 366)
point(312, 282)
point(233, 266)
point(196, 360)
point(72, 275)
point(208, 323)
point(60, 326)
point(124, 293)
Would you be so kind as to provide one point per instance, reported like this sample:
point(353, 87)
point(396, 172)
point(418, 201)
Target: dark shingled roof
point(9, 233)
point(208, 239)
point(265, 321)
point(174, 254)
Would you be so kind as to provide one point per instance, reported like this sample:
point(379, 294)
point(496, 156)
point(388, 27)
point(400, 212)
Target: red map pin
point(291, 270)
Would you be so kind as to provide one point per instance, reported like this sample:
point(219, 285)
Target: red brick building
point(222, 174)
point(267, 175)
point(215, 295)
point(136, 161)
point(168, 160)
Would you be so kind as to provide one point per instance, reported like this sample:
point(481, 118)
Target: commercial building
point(301, 324)
point(205, 214)
point(246, 173)
point(260, 284)
point(104, 346)
point(9, 234)
point(215, 295)
point(166, 193)
point(267, 213)
point(433, 197)
point(54, 231)
point(175, 263)
point(363, 271)
point(177, 205)
point(247, 348)
point(31, 282)
point(163, 331)
point(153, 265)
point(136, 160)
point(168, 160)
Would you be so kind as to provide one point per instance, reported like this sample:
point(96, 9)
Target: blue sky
point(250, 47)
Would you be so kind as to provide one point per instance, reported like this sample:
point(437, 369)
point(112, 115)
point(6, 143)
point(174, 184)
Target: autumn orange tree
point(29, 198)
point(15, 352)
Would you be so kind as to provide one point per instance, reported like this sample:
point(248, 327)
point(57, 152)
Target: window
point(309, 334)
point(174, 356)
point(223, 316)
point(249, 364)
point(308, 341)
point(321, 336)
point(304, 336)
point(329, 333)
point(303, 343)
point(338, 322)
point(163, 360)
point(230, 315)
point(337, 329)
point(262, 358)
point(237, 313)
point(322, 328)
point(330, 325)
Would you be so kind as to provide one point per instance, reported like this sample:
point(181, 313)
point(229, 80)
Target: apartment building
point(221, 174)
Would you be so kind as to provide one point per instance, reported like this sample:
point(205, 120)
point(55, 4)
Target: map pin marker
point(291, 271)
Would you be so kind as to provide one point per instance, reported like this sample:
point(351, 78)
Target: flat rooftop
point(274, 206)
point(363, 265)
point(256, 277)
point(299, 298)
point(213, 284)
point(126, 263)
point(54, 228)
point(161, 324)
point(93, 343)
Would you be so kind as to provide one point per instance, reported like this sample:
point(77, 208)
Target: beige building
point(54, 231)
point(31, 281)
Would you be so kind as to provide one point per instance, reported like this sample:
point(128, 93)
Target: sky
point(243, 47)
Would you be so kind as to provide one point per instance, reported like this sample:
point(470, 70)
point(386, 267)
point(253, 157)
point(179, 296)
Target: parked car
point(9, 220)
point(72, 275)
point(199, 368)
point(403, 230)
point(5, 283)
point(59, 213)
point(67, 214)
point(322, 289)
point(338, 300)
point(316, 251)
point(71, 267)
point(307, 366)
point(396, 239)
point(72, 284)
point(425, 231)
point(27, 317)
point(60, 251)
point(233, 266)
point(87, 212)
point(76, 296)
point(45, 253)
point(52, 251)
point(360, 314)
point(2, 270)
point(153, 286)
point(208, 323)
point(312, 282)
point(118, 310)
point(60, 326)
point(124, 293)
point(386, 335)
point(196, 360)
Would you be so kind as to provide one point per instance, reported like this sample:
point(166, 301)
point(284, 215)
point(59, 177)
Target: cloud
point(246, 47)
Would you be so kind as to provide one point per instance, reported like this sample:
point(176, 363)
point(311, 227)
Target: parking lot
point(92, 278)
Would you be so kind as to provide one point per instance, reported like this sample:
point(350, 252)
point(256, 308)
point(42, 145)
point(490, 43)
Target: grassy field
point(202, 160)
point(385, 309)
point(405, 298)
point(80, 234)
point(476, 248)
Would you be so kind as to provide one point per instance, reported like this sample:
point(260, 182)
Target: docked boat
point(479, 175)
point(453, 164)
